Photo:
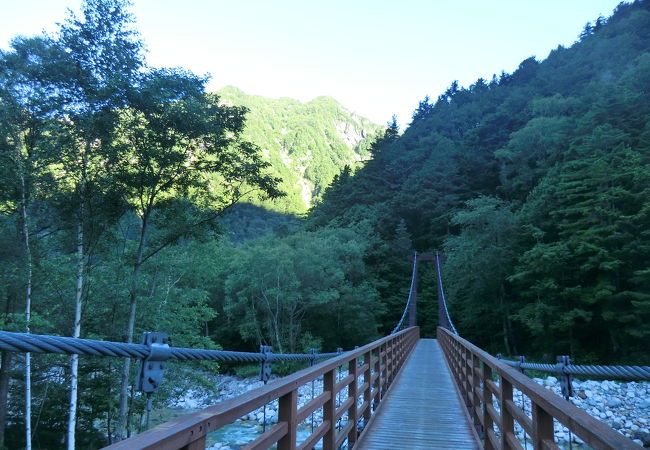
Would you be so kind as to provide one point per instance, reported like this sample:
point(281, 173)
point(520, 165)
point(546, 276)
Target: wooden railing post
point(507, 425)
point(542, 427)
point(329, 410)
point(465, 374)
point(367, 394)
point(376, 398)
point(487, 400)
point(199, 444)
point(476, 389)
point(352, 393)
point(288, 412)
point(391, 362)
point(384, 371)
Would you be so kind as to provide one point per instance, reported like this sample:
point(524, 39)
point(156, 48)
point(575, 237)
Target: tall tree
point(27, 99)
point(106, 56)
point(176, 141)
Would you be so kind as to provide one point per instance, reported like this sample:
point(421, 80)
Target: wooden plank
point(422, 410)
point(312, 406)
point(343, 408)
point(522, 419)
point(513, 442)
point(494, 415)
point(267, 439)
point(316, 436)
point(494, 389)
point(343, 434)
point(343, 383)
point(492, 439)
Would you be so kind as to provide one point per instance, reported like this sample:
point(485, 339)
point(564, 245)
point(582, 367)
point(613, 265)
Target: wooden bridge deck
point(422, 409)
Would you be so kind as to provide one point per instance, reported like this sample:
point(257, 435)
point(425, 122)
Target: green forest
point(131, 200)
point(307, 144)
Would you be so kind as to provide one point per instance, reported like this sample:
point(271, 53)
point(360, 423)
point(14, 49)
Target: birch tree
point(106, 56)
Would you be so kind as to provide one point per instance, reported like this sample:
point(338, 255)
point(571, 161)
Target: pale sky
point(376, 57)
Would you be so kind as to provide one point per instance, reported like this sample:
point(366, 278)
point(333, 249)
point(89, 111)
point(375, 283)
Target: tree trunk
point(133, 298)
point(76, 329)
point(28, 299)
point(5, 363)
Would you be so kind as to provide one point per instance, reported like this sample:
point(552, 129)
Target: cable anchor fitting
point(265, 365)
point(152, 368)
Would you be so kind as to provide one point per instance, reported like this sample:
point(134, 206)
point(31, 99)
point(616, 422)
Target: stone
point(550, 381)
point(614, 402)
point(643, 437)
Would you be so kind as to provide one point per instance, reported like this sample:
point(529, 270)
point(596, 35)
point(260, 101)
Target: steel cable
point(408, 300)
point(442, 296)
point(36, 343)
point(630, 373)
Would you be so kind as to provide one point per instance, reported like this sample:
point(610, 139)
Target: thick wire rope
point(410, 297)
point(442, 296)
point(38, 343)
point(630, 373)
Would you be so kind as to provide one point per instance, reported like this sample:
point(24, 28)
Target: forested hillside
point(307, 144)
point(536, 186)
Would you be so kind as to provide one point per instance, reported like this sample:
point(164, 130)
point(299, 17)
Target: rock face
point(307, 144)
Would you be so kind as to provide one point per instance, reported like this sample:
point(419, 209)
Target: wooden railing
point(486, 386)
point(378, 363)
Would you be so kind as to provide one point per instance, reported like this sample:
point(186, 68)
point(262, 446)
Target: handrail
point(473, 370)
point(381, 361)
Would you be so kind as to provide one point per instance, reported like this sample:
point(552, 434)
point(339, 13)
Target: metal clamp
point(152, 368)
point(265, 366)
point(565, 378)
point(312, 361)
point(521, 360)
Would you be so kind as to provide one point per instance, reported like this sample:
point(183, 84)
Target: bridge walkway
point(422, 409)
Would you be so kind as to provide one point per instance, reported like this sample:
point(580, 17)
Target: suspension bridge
point(399, 392)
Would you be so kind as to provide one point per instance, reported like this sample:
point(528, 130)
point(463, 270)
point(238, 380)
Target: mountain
point(307, 144)
point(536, 185)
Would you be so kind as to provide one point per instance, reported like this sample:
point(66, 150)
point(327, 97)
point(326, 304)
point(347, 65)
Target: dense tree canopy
point(535, 186)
